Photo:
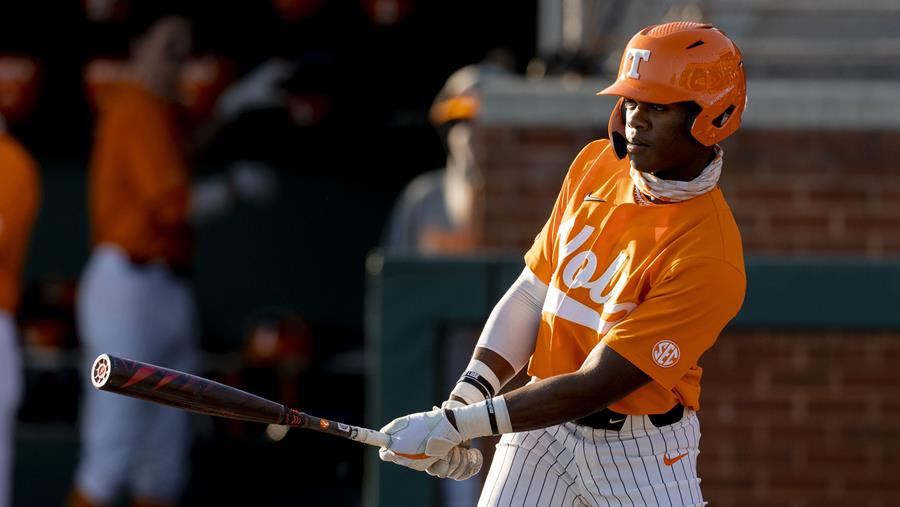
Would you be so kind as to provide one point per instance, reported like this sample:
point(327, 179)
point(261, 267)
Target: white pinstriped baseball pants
point(10, 395)
point(569, 464)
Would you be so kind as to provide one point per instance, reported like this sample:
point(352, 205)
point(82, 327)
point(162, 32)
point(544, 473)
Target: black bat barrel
point(185, 391)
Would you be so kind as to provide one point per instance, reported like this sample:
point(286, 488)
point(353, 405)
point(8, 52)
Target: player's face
point(166, 47)
point(459, 146)
point(659, 141)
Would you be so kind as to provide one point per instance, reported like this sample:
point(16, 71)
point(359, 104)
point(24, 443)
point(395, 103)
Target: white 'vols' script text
point(579, 271)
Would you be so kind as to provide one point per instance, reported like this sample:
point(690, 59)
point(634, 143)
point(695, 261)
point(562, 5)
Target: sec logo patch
point(666, 353)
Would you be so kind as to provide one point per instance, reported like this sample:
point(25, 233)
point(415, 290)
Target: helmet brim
point(650, 92)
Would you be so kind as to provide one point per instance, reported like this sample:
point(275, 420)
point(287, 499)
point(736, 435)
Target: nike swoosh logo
point(671, 461)
point(590, 198)
point(616, 421)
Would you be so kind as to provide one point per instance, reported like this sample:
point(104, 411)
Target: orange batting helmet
point(682, 62)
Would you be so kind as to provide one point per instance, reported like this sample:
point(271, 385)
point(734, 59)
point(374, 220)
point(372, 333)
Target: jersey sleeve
point(680, 318)
point(19, 201)
point(158, 165)
point(541, 258)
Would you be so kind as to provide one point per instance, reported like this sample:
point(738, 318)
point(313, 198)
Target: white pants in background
point(141, 312)
point(570, 464)
point(10, 395)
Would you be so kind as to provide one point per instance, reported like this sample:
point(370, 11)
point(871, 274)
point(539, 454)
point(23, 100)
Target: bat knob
point(100, 370)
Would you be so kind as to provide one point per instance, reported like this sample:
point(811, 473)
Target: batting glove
point(462, 462)
point(420, 440)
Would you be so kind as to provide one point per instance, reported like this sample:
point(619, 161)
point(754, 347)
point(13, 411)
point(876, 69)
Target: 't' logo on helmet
point(635, 55)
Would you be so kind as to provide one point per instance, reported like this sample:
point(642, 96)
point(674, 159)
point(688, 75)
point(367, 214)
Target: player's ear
point(616, 129)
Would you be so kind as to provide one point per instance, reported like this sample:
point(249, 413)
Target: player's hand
point(459, 464)
point(419, 440)
point(451, 404)
point(253, 181)
point(462, 462)
point(257, 90)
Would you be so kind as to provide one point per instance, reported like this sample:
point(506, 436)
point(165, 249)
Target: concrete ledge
point(774, 104)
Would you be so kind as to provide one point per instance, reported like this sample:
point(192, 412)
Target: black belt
point(607, 419)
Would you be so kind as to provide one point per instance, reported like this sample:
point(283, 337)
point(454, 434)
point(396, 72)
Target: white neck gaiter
point(677, 191)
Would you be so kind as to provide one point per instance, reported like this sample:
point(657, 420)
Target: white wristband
point(489, 417)
point(478, 383)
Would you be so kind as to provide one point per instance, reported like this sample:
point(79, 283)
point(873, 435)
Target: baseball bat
point(197, 394)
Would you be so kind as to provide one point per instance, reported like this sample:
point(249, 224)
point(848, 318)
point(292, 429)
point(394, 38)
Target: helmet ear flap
point(718, 122)
point(617, 129)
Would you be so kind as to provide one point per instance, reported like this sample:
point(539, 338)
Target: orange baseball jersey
point(19, 202)
point(139, 181)
point(656, 283)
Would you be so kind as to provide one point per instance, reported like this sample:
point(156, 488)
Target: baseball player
point(435, 213)
point(135, 298)
point(634, 275)
point(19, 201)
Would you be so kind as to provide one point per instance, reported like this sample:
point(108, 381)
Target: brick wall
point(801, 419)
point(792, 193)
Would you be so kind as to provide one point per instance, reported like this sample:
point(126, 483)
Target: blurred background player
point(437, 211)
point(19, 202)
point(135, 297)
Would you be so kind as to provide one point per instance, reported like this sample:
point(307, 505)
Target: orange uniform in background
point(656, 283)
point(19, 202)
point(139, 180)
point(133, 298)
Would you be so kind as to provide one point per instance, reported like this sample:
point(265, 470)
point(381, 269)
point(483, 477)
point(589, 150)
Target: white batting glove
point(257, 90)
point(451, 404)
point(253, 181)
point(462, 462)
point(419, 440)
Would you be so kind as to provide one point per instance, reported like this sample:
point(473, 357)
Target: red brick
point(800, 482)
point(886, 484)
point(783, 430)
point(732, 482)
point(879, 221)
point(872, 378)
point(863, 432)
point(768, 501)
point(839, 406)
point(807, 377)
point(843, 457)
point(763, 455)
point(761, 192)
point(774, 406)
point(839, 193)
point(538, 138)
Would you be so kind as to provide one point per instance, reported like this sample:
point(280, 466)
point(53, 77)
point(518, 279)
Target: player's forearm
point(604, 378)
point(552, 401)
point(506, 342)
